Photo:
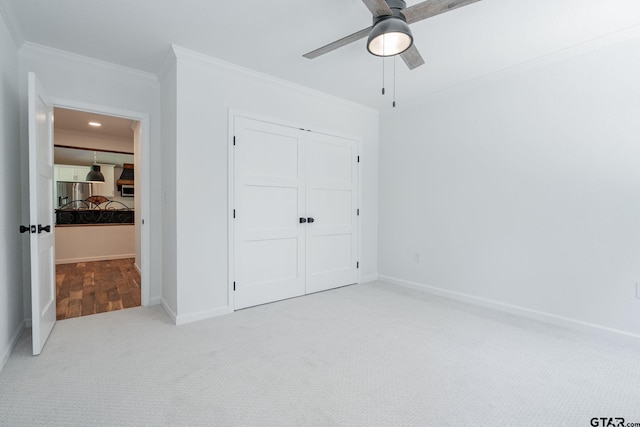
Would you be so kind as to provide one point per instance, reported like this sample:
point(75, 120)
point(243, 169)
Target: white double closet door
point(295, 206)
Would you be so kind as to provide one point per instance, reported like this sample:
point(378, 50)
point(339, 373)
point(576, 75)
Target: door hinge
point(30, 229)
point(358, 212)
point(234, 286)
point(234, 213)
point(234, 140)
point(358, 264)
point(358, 159)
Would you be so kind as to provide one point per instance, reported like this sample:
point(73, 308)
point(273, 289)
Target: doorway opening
point(97, 239)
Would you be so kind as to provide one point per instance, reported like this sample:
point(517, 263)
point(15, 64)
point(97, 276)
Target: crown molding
point(596, 43)
point(183, 53)
point(9, 18)
point(29, 48)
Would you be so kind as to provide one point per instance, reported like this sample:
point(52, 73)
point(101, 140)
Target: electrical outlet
point(416, 257)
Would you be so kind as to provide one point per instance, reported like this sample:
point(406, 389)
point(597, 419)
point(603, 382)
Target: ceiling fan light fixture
point(389, 36)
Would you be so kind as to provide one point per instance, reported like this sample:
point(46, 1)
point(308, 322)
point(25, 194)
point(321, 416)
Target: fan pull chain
point(394, 81)
point(383, 75)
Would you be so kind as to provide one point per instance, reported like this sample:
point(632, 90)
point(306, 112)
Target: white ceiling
point(271, 36)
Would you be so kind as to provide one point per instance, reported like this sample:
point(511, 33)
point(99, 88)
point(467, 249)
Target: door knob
point(310, 220)
point(46, 228)
point(303, 220)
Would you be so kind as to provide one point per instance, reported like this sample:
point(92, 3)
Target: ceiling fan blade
point(430, 8)
point(412, 57)
point(338, 43)
point(378, 7)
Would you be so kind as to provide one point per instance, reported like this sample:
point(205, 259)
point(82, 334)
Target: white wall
point(11, 308)
point(169, 238)
point(83, 80)
point(523, 190)
point(86, 243)
point(206, 90)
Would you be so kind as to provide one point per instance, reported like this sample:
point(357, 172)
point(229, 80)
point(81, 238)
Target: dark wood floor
point(95, 287)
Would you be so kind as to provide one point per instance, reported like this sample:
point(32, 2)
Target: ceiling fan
point(390, 34)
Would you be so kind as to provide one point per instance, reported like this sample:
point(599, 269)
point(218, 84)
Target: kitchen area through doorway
point(96, 235)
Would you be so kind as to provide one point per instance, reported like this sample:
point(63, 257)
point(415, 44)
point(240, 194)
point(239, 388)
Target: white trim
point(96, 258)
point(238, 112)
point(360, 211)
point(145, 203)
point(95, 108)
point(367, 279)
point(138, 270)
point(12, 344)
point(230, 207)
point(155, 301)
point(202, 315)
point(510, 308)
point(168, 310)
point(182, 53)
point(39, 49)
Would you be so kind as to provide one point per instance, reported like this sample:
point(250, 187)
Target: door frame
point(233, 113)
point(145, 173)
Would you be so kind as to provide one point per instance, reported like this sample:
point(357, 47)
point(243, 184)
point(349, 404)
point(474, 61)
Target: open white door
point(43, 284)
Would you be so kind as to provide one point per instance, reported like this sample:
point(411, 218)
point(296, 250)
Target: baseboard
point(193, 317)
point(155, 301)
point(140, 273)
point(512, 309)
point(371, 278)
point(95, 258)
point(12, 344)
point(168, 310)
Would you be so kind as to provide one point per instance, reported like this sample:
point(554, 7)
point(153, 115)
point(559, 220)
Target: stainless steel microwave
point(127, 191)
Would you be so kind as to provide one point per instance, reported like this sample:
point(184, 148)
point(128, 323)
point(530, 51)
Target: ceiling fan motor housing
point(396, 6)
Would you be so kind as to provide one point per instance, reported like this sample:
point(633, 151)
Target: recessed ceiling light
point(95, 124)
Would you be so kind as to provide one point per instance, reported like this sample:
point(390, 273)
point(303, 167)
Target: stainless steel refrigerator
point(69, 194)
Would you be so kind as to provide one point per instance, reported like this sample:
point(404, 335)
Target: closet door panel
point(331, 180)
point(269, 196)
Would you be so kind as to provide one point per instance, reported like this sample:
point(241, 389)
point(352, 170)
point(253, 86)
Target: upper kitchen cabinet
point(72, 173)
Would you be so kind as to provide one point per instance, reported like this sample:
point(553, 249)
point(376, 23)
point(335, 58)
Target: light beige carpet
point(373, 355)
